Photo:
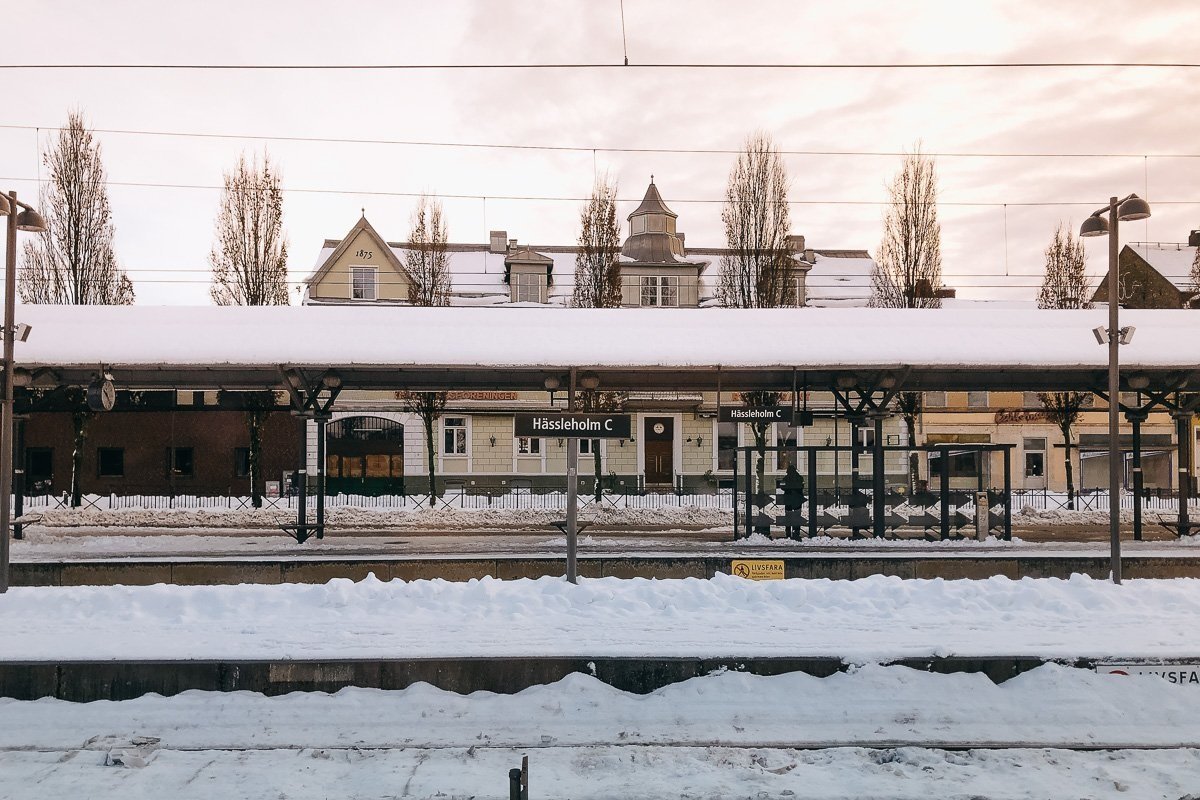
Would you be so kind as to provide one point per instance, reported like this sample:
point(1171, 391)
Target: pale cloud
point(164, 234)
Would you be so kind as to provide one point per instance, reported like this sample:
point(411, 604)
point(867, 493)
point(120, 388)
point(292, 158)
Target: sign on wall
point(755, 414)
point(757, 569)
point(574, 426)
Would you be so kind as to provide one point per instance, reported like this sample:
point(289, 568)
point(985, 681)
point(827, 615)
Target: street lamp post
point(1124, 210)
point(26, 220)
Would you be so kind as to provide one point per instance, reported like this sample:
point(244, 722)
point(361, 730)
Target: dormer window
point(363, 283)
point(660, 291)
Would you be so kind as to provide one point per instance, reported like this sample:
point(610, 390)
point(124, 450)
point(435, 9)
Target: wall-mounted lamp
point(562, 442)
point(1138, 380)
point(492, 441)
point(551, 383)
point(699, 441)
point(589, 381)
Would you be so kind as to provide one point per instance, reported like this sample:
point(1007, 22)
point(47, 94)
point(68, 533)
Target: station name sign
point(755, 414)
point(574, 426)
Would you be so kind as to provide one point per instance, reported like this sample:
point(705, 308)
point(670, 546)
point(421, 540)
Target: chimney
point(1194, 239)
point(796, 242)
point(496, 241)
point(512, 245)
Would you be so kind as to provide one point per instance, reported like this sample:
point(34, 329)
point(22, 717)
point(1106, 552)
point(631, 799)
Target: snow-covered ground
point(876, 732)
point(104, 544)
point(874, 619)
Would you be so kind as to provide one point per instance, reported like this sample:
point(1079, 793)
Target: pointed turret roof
point(652, 203)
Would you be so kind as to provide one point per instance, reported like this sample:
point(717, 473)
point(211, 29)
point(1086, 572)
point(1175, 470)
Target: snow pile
point(727, 735)
point(872, 706)
point(876, 619)
point(406, 518)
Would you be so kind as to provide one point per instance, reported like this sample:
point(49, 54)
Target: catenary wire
point(587, 149)
point(582, 199)
point(611, 65)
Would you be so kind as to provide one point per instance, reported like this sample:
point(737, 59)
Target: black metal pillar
point(855, 450)
point(736, 493)
point(944, 489)
point(302, 484)
point(878, 509)
point(1136, 418)
point(1183, 434)
point(749, 496)
point(18, 474)
point(812, 492)
point(321, 421)
point(1008, 494)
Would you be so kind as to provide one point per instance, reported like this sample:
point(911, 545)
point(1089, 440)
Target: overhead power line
point(584, 148)
point(582, 199)
point(616, 65)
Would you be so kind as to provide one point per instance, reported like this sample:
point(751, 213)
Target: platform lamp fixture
point(1127, 209)
point(20, 217)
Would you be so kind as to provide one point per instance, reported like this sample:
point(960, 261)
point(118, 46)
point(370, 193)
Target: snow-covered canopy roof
point(647, 349)
point(839, 281)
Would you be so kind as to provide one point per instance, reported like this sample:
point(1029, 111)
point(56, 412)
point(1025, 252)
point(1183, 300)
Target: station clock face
point(101, 395)
point(659, 427)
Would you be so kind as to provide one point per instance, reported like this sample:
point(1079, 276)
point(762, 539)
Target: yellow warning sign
point(758, 570)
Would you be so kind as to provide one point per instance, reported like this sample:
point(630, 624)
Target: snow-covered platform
point(106, 556)
point(88, 643)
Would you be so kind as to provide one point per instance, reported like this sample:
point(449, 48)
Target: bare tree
point(72, 262)
point(429, 407)
point(249, 257)
point(429, 275)
point(598, 285)
point(1065, 285)
point(249, 268)
point(759, 271)
point(908, 270)
point(597, 270)
point(1063, 409)
point(425, 256)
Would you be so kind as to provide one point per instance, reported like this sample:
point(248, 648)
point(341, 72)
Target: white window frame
point(656, 284)
point(532, 443)
point(374, 272)
point(524, 279)
point(543, 445)
point(465, 427)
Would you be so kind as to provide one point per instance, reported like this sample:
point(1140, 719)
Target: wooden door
point(658, 437)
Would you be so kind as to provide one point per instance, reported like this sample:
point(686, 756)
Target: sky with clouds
point(164, 234)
